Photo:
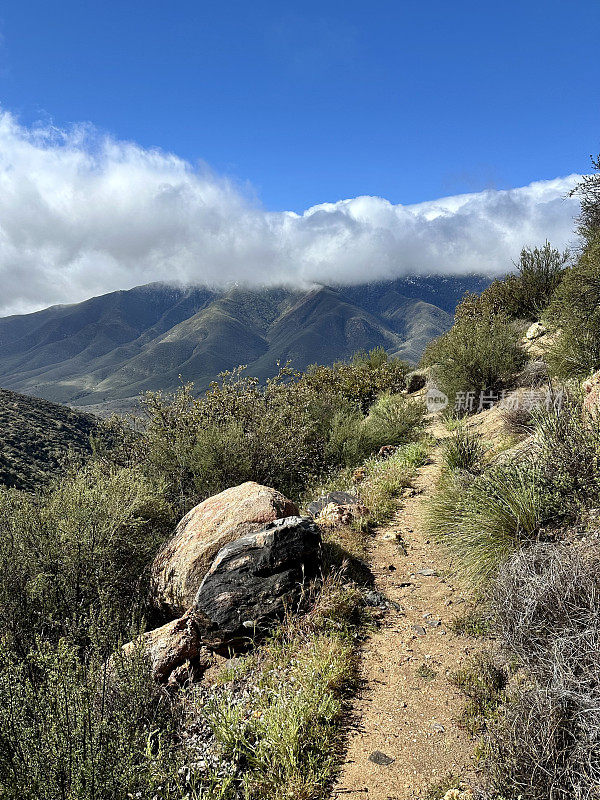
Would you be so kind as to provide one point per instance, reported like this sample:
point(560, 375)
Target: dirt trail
point(407, 708)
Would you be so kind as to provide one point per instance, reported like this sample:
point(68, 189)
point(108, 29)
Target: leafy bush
point(285, 434)
point(464, 450)
point(477, 357)
point(78, 552)
point(66, 734)
point(575, 311)
point(349, 440)
point(526, 294)
point(238, 431)
point(481, 353)
point(361, 380)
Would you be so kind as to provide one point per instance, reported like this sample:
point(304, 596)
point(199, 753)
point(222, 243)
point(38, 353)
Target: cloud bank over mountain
point(82, 214)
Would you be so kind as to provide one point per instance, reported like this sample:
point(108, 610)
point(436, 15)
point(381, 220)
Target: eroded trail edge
point(407, 709)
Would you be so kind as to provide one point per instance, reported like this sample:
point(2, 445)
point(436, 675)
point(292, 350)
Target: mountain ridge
point(115, 346)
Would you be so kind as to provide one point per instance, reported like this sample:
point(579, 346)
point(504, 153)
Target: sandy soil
point(407, 709)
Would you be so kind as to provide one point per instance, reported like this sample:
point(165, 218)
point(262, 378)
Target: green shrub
point(567, 451)
point(464, 450)
point(238, 431)
point(477, 357)
point(67, 734)
point(588, 192)
point(78, 552)
point(575, 311)
point(526, 294)
point(394, 419)
point(285, 434)
point(483, 682)
point(350, 440)
point(361, 380)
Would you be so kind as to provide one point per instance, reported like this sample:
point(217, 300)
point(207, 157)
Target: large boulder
point(175, 651)
point(180, 566)
point(254, 580)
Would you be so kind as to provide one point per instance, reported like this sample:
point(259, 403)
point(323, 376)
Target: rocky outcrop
point(336, 508)
point(337, 498)
point(333, 515)
point(535, 331)
point(175, 651)
point(416, 381)
point(181, 565)
point(386, 451)
point(254, 580)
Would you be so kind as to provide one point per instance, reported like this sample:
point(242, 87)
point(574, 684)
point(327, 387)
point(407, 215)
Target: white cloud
point(81, 215)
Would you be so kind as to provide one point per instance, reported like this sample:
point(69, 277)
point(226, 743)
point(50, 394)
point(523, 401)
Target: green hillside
point(36, 438)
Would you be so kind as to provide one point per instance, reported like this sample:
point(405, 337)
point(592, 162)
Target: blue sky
point(320, 101)
point(280, 143)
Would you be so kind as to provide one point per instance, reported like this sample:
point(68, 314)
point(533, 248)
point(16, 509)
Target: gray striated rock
point(254, 579)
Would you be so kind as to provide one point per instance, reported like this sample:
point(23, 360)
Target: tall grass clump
point(281, 740)
point(482, 520)
point(394, 419)
point(463, 450)
point(385, 480)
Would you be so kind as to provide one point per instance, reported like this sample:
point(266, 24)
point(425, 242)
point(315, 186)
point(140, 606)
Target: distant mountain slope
point(36, 437)
point(120, 344)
